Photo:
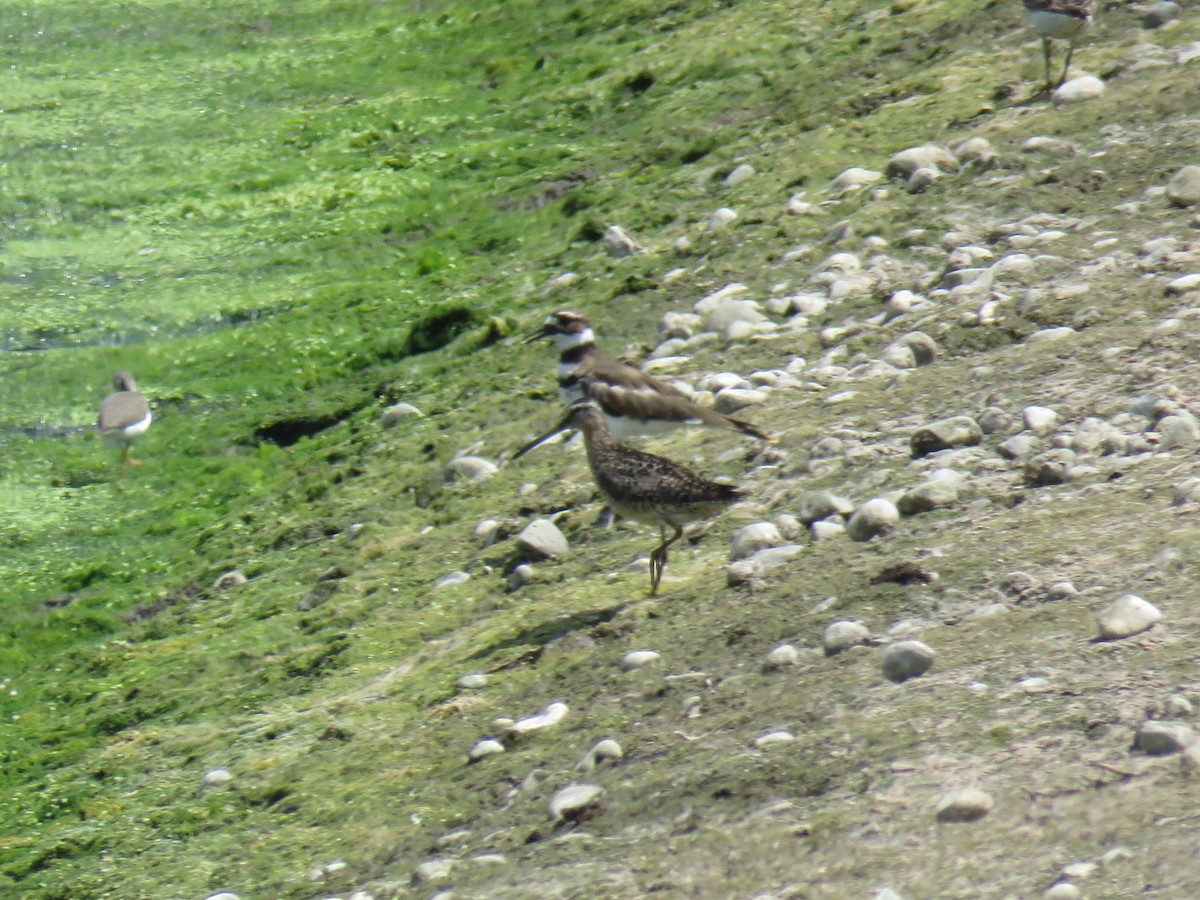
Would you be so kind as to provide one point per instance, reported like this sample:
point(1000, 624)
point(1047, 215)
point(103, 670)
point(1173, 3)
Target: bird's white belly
point(622, 428)
point(1056, 25)
point(137, 428)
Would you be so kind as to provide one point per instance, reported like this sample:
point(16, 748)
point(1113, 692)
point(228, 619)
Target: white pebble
point(638, 658)
point(1126, 616)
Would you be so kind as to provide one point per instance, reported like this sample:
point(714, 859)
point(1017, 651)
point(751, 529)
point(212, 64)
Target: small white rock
point(1126, 616)
point(473, 469)
point(486, 747)
point(874, 518)
point(1160, 737)
point(966, 805)
point(574, 800)
point(541, 539)
point(638, 659)
point(774, 737)
point(215, 778)
point(782, 656)
point(550, 716)
point(840, 636)
point(1078, 90)
point(397, 413)
point(472, 681)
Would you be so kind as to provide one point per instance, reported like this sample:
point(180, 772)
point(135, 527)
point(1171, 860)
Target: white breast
point(1056, 25)
point(137, 428)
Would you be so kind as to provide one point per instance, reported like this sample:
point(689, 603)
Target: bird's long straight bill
point(560, 427)
point(542, 332)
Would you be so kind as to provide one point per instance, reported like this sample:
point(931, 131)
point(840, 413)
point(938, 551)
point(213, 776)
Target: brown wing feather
point(656, 400)
point(122, 409)
point(630, 476)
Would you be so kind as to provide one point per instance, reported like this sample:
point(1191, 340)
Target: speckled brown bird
point(124, 415)
point(645, 487)
point(632, 402)
point(1062, 19)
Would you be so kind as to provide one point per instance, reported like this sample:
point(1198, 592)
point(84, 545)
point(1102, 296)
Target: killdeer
point(124, 415)
point(633, 403)
point(645, 487)
point(1062, 19)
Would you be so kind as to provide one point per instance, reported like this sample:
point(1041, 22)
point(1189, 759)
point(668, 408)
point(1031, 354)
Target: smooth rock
point(927, 497)
point(230, 579)
point(541, 539)
point(731, 400)
point(1160, 737)
point(1126, 616)
point(619, 244)
point(947, 434)
point(637, 659)
point(856, 177)
point(1064, 890)
point(1050, 146)
point(907, 659)
point(547, 718)
point(398, 412)
point(873, 519)
point(749, 540)
point(1049, 335)
point(471, 468)
point(485, 747)
point(824, 531)
point(454, 578)
point(720, 218)
point(1078, 90)
point(472, 681)
point(1039, 419)
point(841, 636)
point(433, 871)
point(929, 156)
point(774, 737)
point(606, 751)
point(740, 173)
point(1156, 15)
point(216, 778)
point(817, 505)
point(1184, 283)
point(782, 657)
point(223, 895)
point(575, 801)
point(966, 805)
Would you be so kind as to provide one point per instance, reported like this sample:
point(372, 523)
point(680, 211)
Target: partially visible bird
point(645, 487)
point(633, 403)
point(124, 415)
point(1062, 19)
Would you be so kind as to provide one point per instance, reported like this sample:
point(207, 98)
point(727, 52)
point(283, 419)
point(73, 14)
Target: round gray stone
point(839, 636)
point(1184, 187)
point(931, 495)
point(1160, 737)
point(966, 805)
point(749, 540)
point(873, 519)
point(541, 539)
point(907, 659)
point(397, 413)
point(946, 434)
point(574, 801)
point(1126, 616)
point(1078, 90)
point(471, 468)
point(817, 505)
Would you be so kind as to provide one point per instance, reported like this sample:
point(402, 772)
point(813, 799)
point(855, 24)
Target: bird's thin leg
point(660, 554)
point(1067, 64)
point(1046, 54)
point(658, 561)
